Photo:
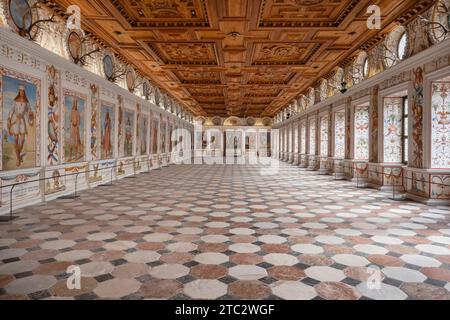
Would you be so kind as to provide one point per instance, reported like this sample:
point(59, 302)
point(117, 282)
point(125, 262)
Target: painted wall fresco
point(20, 102)
point(107, 117)
point(53, 115)
point(138, 129)
point(56, 182)
point(417, 119)
point(303, 137)
point(361, 149)
point(339, 134)
point(296, 139)
point(440, 187)
point(154, 136)
point(289, 139)
point(120, 127)
point(162, 140)
point(373, 128)
point(440, 124)
point(128, 118)
point(348, 125)
point(312, 136)
point(74, 126)
point(324, 136)
point(29, 192)
point(94, 122)
point(264, 143)
point(63, 125)
point(169, 137)
point(143, 134)
point(392, 130)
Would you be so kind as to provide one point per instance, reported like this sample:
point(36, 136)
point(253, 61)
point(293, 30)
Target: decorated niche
point(217, 121)
point(439, 22)
point(418, 36)
point(310, 97)
point(347, 77)
point(359, 69)
point(323, 89)
point(146, 89)
point(335, 82)
point(28, 18)
point(232, 121)
point(394, 47)
point(158, 97)
point(374, 63)
point(130, 79)
point(78, 48)
point(250, 121)
point(267, 122)
point(108, 63)
point(200, 120)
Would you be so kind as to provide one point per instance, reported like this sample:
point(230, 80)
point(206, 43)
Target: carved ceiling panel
point(197, 76)
point(185, 53)
point(300, 13)
point(280, 53)
point(237, 57)
point(163, 13)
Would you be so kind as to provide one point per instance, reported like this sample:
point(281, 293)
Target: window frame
point(405, 123)
point(365, 72)
point(402, 35)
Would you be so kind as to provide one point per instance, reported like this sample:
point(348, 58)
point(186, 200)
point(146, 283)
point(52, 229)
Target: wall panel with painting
point(63, 125)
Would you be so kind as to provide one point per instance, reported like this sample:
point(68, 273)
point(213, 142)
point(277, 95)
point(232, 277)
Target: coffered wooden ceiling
point(236, 57)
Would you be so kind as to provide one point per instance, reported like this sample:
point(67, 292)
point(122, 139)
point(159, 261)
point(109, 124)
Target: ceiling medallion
point(234, 34)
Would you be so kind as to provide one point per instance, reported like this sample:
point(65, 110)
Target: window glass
point(405, 130)
point(366, 68)
point(401, 48)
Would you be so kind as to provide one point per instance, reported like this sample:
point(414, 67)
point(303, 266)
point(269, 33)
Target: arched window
point(401, 46)
point(366, 67)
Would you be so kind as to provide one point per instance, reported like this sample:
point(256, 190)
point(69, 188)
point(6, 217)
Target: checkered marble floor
point(228, 232)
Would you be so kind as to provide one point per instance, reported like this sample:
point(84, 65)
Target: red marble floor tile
point(286, 273)
point(336, 291)
point(160, 289)
point(315, 260)
point(385, 260)
point(208, 271)
point(437, 273)
point(246, 258)
point(252, 290)
point(425, 291)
